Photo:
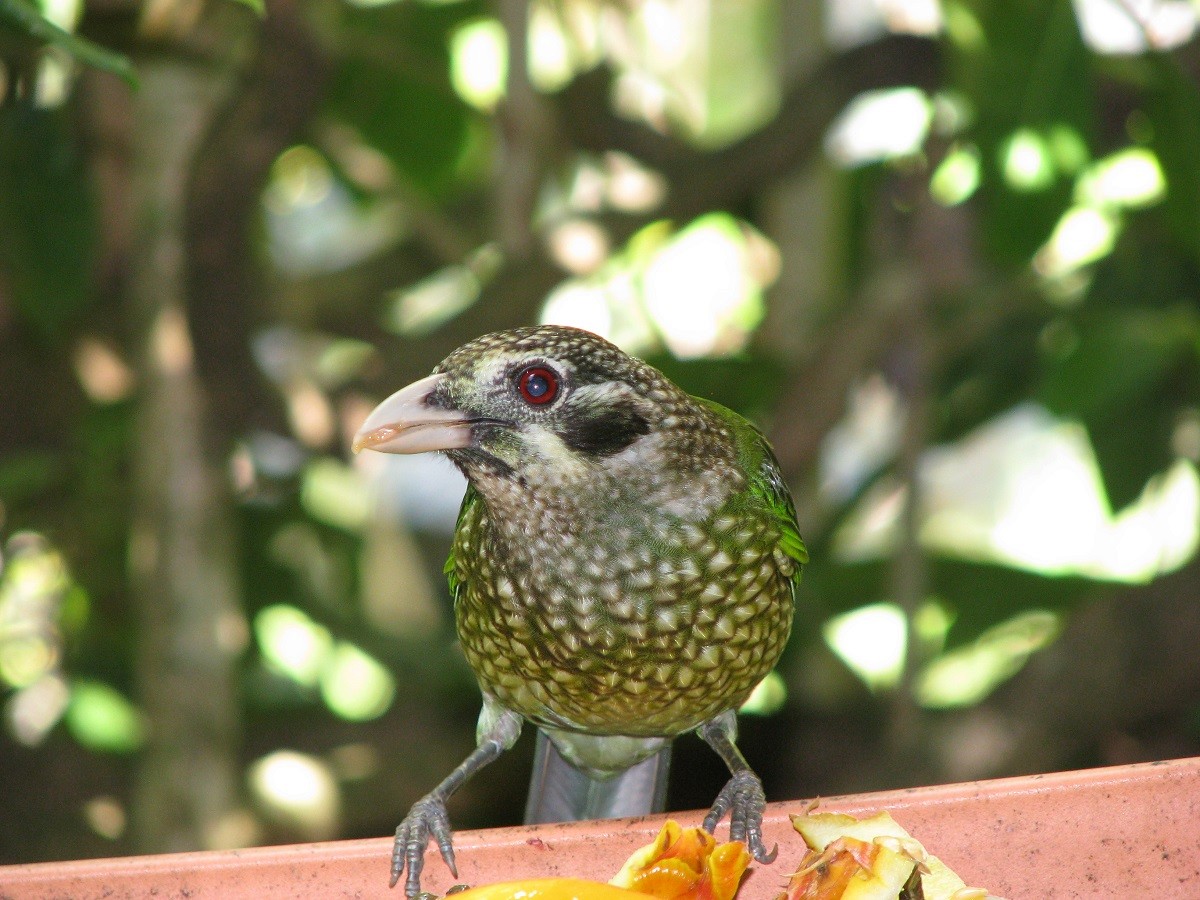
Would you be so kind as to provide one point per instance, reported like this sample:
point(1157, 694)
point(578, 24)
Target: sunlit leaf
point(479, 62)
point(1026, 74)
point(768, 697)
point(966, 675)
point(298, 789)
point(101, 718)
point(871, 641)
point(292, 643)
point(355, 686)
point(336, 493)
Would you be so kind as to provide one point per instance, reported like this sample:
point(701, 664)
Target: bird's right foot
point(426, 819)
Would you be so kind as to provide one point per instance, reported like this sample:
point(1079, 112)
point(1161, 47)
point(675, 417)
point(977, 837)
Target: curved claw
point(426, 819)
point(744, 800)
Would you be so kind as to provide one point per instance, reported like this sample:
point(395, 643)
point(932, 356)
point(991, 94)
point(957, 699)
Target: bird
point(624, 565)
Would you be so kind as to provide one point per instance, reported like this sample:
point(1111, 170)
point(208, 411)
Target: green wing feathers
point(450, 569)
point(766, 485)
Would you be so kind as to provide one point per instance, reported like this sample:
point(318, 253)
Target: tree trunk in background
point(183, 572)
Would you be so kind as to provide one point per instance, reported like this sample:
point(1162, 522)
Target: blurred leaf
point(990, 376)
point(981, 596)
point(46, 217)
point(1173, 107)
point(25, 475)
point(966, 675)
point(101, 718)
point(1028, 75)
point(1113, 380)
point(258, 7)
point(24, 17)
point(422, 129)
point(1119, 355)
point(355, 686)
point(977, 595)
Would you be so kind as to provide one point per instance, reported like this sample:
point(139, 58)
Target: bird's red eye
point(538, 385)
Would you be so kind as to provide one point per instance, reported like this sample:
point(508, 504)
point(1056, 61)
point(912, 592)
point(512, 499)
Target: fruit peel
point(863, 859)
point(679, 864)
point(685, 864)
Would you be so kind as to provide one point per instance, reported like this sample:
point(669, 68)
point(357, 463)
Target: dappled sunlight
point(956, 176)
point(630, 186)
point(698, 290)
point(965, 675)
point(1185, 436)
point(33, 592)
point(563, 39)
point(314, 224)
point(692, 65)
point(298, 790)
point(354, 685)
point(1130, 178)
point(1025, 161)
point(1082, 236)
point(36, 708)
point(1158, 533)
point(1134, 26)
point(420, 308)
point(106, 816)
point(879, 125)
point(104, 375)
point(768, 697)
point(872, 641)
point(102, 718)
point(1088, 231)
point(291, 643)
point(1025, 490)
point(866, 437)
point(336, 493)
point(578, 245)
point(479, 63)
point(849, 23)
point(580, 306)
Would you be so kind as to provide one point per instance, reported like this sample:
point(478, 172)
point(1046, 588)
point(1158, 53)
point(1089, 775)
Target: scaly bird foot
point(744, 800)
point(427, 818)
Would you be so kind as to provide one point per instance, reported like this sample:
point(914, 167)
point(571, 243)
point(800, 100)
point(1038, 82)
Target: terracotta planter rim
point(1122, 831)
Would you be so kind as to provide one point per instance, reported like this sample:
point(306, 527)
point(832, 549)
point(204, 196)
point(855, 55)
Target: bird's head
point(557, 400)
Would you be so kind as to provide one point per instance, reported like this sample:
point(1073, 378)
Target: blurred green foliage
point(836, 298)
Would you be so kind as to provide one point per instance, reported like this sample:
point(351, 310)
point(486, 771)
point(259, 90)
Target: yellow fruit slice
point(550, 889)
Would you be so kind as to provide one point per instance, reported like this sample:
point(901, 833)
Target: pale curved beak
point(406, 423)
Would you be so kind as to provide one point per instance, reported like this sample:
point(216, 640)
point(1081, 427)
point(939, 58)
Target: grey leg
point(742, 797)
point(428, 817)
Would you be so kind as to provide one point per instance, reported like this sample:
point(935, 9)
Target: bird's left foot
point(744, 800)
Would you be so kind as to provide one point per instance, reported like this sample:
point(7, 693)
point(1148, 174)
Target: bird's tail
point(558, 792)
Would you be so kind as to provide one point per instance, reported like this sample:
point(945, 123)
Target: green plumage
point(630, 619)
point(625, 561)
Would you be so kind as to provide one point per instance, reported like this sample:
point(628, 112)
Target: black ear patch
point(603, 430)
